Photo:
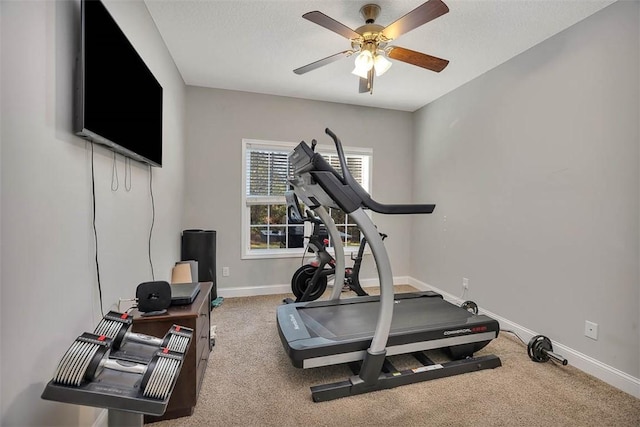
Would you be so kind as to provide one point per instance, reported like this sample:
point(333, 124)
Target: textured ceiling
point(254, 46)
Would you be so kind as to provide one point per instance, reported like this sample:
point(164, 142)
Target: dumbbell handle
point(142, 339)
point(122, 366)
point(556, 357)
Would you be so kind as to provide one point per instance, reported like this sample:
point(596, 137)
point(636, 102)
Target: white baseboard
point(591, 366)
point(102, 420)
point(250, 291)
point(602, 371)
point(397, 280)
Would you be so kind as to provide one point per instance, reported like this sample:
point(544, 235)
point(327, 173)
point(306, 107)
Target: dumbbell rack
point(128, 383)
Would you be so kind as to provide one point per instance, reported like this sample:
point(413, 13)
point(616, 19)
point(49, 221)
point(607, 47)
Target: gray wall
point(49, 286)
point(218, 120)
point(535, 166)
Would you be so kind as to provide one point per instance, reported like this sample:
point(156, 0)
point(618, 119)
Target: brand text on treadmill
point(457, 331)
point(293, 320)
point(464, 331)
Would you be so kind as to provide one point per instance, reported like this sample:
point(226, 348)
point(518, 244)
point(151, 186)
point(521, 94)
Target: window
point(266, 229)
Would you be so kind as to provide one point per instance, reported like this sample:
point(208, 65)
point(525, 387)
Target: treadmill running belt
point(320, 333)
point(348, 321)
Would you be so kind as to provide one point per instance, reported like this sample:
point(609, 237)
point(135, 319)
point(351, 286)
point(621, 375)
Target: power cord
point(95, 230)
point(114, 187)
point(469, 305)
point(115, 183)
point(127, 174)
point(153, 219)
point(304, 254)
point(514, 334)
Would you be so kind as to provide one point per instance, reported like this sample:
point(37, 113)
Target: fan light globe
point(360, 73)
point(381, 65)
point(364, 62)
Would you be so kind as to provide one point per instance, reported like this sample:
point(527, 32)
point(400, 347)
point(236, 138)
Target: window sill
point(295, 253)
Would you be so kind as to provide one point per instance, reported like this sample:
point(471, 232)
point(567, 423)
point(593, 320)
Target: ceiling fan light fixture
point(360, 73)
point(381, 65)
point(370, 42)
point(364, 62)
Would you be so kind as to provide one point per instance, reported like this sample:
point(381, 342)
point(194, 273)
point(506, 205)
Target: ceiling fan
point(370, 42)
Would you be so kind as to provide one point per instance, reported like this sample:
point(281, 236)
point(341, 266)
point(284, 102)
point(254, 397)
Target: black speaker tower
point(200, 245)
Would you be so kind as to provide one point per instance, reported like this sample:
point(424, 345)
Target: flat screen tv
point(119, 101)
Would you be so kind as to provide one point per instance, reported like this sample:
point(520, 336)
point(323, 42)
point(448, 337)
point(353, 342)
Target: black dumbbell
point(117, 326)
point(540, 350)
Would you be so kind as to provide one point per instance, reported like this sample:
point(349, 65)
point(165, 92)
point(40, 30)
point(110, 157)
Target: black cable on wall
point(153, 219)
point(95, 230)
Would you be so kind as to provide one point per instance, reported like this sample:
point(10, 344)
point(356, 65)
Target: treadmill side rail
point(355, 385)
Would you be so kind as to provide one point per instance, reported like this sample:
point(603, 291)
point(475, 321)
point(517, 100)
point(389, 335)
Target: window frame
point(245, 235)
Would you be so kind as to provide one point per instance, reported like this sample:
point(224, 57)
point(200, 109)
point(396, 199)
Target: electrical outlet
point(465, 283)
point(225, 271)
point(591, 330)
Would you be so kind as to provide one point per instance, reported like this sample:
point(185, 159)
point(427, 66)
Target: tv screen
point(119, 99)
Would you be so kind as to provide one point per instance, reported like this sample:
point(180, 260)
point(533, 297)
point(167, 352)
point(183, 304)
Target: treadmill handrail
point(367, 201)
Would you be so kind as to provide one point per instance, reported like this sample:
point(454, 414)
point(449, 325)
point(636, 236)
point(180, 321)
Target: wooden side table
point(196, 316)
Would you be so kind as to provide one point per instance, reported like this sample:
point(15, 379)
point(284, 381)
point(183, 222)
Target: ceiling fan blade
point(363, 86)
point(330, 24)
point(416, 58)
point(418, 16)
point(321, 62)
point(366, 85)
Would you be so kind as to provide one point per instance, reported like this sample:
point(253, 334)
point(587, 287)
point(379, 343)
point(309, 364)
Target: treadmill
point(363, 331)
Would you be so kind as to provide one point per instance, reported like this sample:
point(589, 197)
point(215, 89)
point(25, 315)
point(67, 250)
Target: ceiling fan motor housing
point(370, 13)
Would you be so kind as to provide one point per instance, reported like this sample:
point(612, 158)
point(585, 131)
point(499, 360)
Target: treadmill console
point(318, 183)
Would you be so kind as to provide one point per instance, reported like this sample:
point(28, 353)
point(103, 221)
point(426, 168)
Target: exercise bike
point(309, 282)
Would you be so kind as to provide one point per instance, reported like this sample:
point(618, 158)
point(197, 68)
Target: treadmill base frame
point(355, 385)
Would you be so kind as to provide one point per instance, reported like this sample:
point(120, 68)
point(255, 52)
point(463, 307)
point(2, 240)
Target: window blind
point(354, 163)
point(268, 170)
point(267, 173)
